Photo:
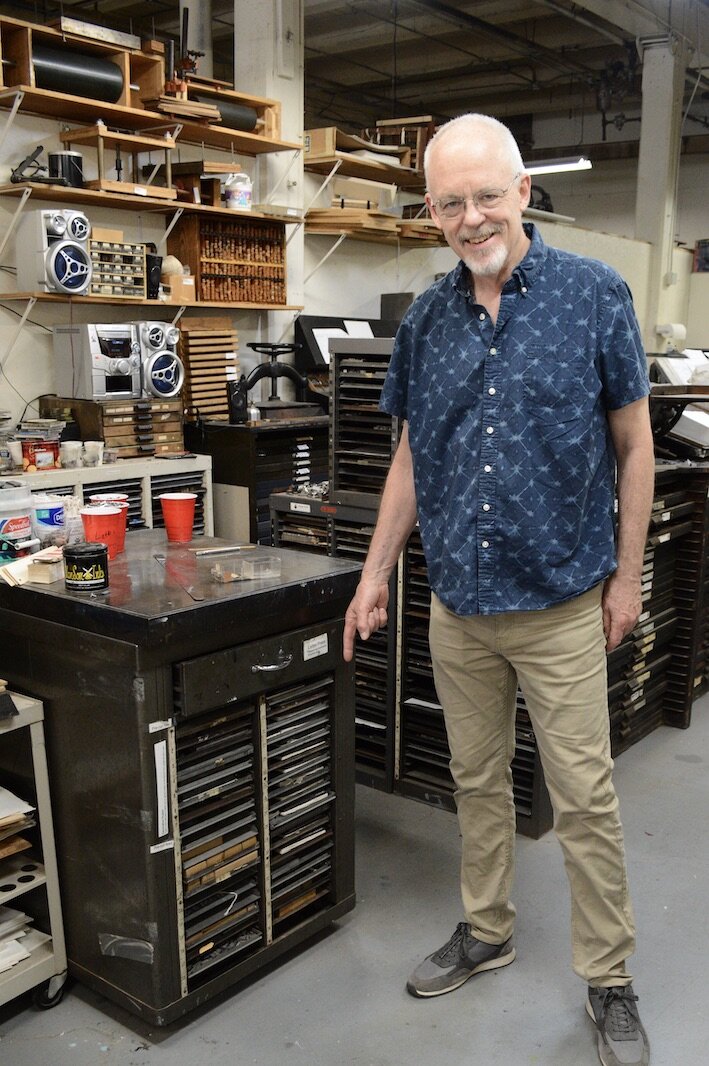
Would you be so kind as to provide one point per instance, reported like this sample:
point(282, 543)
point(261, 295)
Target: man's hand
point(622, 604)
point(366, 613)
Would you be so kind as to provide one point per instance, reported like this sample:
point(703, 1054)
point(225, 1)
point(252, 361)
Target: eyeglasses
point(453, 206)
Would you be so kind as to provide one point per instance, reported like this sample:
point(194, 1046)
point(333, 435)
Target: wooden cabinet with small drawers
point(134, 428)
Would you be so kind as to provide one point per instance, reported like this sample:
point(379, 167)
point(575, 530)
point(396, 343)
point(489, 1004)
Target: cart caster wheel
point(44, 999)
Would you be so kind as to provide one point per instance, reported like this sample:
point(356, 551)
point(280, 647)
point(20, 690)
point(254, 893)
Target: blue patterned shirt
point(514, 465)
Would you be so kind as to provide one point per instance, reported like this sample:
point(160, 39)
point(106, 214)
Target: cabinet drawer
point(210, 681)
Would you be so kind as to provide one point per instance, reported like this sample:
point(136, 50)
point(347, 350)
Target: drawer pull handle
point(281, 665)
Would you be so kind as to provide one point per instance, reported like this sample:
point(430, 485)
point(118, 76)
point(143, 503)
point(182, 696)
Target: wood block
point(13, 845)
point(126, 188)
point(101, 233)
point(196, 324)
point(153, 47)
point(45, 573)
point(122, 60)
point(17, 52)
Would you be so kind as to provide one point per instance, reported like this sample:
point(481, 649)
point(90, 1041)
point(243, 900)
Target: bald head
point(479, 136)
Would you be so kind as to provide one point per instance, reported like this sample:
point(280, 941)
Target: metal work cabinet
point(24, 880)
point(252, 460)
point(201, 742)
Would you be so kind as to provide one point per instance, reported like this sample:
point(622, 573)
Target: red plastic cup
point(178, 512)
point(105, 523)
point(109, 497)
point(115, 499)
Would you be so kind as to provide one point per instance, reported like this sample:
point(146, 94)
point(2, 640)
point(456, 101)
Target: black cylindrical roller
point(76, 73)
point(235, 116)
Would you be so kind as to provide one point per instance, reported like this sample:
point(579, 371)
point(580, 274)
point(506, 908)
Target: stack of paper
point(683, 368)
point(14, 925)
point(15, 816)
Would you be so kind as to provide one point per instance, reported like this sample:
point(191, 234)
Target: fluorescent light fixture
point(558, 166)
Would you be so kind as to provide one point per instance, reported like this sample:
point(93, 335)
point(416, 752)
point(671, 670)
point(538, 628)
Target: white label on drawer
point(663, 537)
point(155, 727)
point(315, 646)
point(304, 507)
point(165, 846)
point(160, 753)
point(666, 515)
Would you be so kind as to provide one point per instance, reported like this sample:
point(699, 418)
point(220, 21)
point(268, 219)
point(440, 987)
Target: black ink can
point(85, 567)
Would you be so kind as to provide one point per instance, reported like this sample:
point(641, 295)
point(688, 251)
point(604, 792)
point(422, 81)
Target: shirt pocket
point(552, 384)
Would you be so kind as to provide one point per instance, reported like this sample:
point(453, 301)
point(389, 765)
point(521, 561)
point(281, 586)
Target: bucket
point(237, 192)
point(48, 518)
point(67, 165)
point(15, 519)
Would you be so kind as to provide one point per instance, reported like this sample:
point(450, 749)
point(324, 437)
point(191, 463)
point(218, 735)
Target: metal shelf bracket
point(324, 259)
point(19, 97)
point(169, 228)
point(20, 326)
point(324, 185)
point(26, 193)
point(295, 155)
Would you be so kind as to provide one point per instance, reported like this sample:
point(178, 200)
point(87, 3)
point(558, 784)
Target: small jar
point(85, 567)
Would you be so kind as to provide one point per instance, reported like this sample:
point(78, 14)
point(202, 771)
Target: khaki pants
point(558, 658)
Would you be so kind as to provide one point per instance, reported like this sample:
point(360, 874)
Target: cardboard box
point(182, 289)
point(101, 233)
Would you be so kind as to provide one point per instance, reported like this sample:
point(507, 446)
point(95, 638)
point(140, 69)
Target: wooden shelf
point(96, 198)
point(53, 297)
point(92, 135)
point(65, 107)
point(369, 169)
point(327, 146)
point(376, 238)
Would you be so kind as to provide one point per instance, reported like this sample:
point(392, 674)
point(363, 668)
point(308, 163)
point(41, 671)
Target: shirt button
point(489, 430)
point(486, 544)
point(487, 468)
point(493, 351)
point(481, 316)
point(486, 507)
point(524, 288)
point(491, 392)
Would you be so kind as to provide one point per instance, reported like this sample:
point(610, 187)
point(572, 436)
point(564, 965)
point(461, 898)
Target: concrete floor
point(342, 999)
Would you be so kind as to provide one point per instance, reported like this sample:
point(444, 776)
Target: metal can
point(85, 567)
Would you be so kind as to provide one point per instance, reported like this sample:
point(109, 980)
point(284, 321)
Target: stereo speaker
point(163, 372)
point(53, 252)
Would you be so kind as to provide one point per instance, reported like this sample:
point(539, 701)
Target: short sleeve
point(623, 363)
point(394, 395)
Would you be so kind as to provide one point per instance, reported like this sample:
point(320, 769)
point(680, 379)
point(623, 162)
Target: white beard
point(487, 264)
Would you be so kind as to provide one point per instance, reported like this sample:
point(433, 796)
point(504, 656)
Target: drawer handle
point(282, 665)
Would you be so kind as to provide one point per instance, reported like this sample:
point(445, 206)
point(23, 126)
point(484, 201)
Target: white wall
point(604, 198)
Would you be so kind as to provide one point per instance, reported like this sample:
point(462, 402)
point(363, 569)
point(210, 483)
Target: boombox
point(53, 252)
point(98, 362)
point(117, 361)
point(163, 372)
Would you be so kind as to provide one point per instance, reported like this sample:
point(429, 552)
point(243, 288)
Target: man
point(522, 384)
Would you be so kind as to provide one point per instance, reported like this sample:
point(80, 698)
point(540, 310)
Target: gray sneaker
point(622, 1041)
point(456, 961)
